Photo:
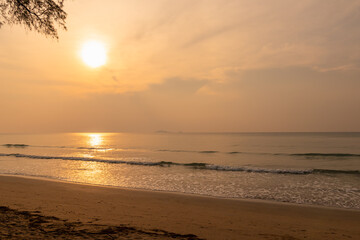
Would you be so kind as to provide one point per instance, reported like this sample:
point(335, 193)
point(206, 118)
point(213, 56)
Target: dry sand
point(38, 209)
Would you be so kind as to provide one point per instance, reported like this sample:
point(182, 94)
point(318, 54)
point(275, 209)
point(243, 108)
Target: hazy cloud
point(235, 65)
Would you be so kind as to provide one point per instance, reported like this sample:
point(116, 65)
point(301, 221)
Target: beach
point(110, 213)
point(183, 120)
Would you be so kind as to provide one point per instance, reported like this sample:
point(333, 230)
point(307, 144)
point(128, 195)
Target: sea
point(320, 169)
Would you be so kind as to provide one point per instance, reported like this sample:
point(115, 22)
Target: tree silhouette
point(38, 15)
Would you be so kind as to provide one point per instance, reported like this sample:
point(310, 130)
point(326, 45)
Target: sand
point(38, 209)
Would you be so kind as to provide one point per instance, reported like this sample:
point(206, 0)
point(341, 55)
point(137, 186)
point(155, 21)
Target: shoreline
point(179, 193)
point(182, 214)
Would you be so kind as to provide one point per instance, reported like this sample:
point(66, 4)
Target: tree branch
point(30, 12)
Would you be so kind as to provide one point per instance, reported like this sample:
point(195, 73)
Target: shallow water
point(308, 168)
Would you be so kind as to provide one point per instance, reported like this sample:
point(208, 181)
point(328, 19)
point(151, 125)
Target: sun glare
point(95, 139)
point(93, 53)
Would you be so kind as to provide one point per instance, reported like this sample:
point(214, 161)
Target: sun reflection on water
point(95, 139)
point(92, 146)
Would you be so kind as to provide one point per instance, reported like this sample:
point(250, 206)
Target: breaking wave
point(306, 155)
point(326, 154)
point(205, 166)
point(175, 150)
point(9, 145)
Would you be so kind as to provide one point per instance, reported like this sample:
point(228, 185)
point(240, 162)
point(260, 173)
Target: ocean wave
point(326, 154)
point(94, 148)
point(204, 166)
point(173, 150)
point(305, 155)
point(208, 151)
point(332, 155)
point(9, 145)
point(234, 152)
point(331, 171)
point(176, 150)
point(68, 147)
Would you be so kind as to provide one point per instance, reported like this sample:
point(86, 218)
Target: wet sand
point(37, 209)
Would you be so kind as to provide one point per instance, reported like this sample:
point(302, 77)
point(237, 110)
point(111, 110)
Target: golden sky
point(181, 65)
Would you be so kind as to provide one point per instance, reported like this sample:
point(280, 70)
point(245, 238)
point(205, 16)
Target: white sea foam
point(204, 166)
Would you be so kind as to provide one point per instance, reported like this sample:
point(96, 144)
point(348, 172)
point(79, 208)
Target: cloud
point(207, 35)
point(151, 42)
point(204, 37)
point(177, 86)
point(235, 65)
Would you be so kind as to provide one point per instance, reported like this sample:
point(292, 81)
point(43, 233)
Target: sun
point(93, 53)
